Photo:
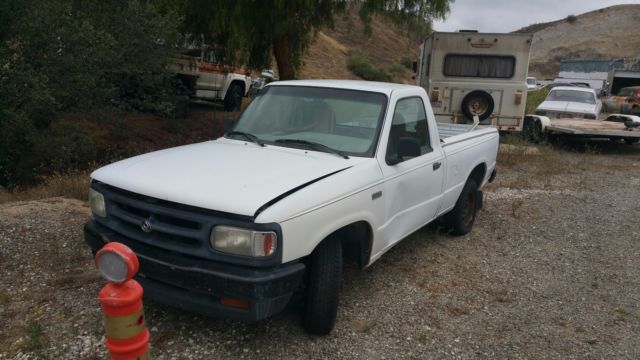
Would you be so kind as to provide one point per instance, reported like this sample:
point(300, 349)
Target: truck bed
point(454, 133)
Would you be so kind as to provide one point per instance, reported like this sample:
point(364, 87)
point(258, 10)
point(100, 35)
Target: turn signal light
point(235, 302)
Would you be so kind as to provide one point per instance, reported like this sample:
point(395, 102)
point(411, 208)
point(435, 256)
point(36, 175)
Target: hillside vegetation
point(608, 33)
point(386, 49)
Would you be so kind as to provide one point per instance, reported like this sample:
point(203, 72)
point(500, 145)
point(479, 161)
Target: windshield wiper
point(313, 145)
point(245, 135)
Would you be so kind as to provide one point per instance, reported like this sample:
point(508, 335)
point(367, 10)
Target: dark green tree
point(252, 31)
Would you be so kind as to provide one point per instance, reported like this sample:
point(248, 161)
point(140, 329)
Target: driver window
point(409, 120)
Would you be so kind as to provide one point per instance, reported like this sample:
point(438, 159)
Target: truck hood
point(224, 175)
point(568, 106)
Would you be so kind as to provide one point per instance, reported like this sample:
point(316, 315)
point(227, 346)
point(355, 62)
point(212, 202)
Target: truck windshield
point(572, 95)
point(347, 121)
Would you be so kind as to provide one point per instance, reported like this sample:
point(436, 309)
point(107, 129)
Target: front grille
point(172, 226)
point(178, 228)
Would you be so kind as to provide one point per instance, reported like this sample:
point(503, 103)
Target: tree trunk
point(284, 59)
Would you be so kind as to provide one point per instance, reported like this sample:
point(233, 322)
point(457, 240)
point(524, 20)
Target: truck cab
point(469, 74)
point(313, 174)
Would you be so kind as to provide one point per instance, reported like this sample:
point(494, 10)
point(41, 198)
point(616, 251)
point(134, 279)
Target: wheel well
point(357, 240)
point(478, 173)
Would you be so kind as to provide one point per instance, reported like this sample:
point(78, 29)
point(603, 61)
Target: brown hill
point(328, 56)
point(608, 33)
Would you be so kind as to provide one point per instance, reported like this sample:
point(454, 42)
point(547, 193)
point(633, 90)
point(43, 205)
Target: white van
point(470, 73)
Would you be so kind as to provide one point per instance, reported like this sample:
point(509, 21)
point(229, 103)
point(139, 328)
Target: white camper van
point(470, 73)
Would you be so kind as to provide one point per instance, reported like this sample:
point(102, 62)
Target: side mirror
point(229, 124)
point(414, 66)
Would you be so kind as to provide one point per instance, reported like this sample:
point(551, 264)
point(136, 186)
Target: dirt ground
point(551, 270)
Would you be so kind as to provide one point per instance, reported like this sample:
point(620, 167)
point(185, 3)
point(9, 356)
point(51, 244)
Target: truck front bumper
point(198, 285)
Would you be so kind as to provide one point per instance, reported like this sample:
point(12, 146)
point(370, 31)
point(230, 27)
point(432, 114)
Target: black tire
point(233, 99)
point(460, 220)
point(477, 102)
point(323, 290)
point(631, 141)
point(532, 131)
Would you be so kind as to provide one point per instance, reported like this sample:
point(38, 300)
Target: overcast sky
point(510, 15)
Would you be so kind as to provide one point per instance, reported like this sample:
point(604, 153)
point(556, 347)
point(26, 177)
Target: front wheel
point(460, 220)
point(323, 290)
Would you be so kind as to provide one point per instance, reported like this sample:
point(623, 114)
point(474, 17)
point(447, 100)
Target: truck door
point(211, 76)
point(412, 186)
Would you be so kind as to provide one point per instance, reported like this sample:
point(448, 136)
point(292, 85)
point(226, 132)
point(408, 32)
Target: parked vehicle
point(620, 78)
point(532, 83)
point(626, 102)
point(570, 102)
point(476, 74)
point(596, 84)
point(574, 111)
point(313, 173)
point(207, 78)
point(266, 76)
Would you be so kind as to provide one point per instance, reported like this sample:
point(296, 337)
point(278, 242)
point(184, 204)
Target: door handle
point(436, 165)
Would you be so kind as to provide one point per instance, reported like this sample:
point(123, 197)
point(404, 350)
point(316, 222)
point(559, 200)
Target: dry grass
point(542, 159)
point(73, 185)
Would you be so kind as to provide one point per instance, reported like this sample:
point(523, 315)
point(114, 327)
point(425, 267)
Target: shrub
point(397, 69)
point(407, 62)
point(571, 19)
point(362, 67)
point(535, 98)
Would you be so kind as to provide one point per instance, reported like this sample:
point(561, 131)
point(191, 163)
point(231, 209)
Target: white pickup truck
point(314, 173)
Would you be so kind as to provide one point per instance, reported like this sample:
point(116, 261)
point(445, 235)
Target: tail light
point(518, 97)
point(435, 94)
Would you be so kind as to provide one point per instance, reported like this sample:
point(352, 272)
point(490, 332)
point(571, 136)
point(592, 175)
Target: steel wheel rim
point(478, 106)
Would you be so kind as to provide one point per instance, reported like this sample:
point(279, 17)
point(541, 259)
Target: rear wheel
point(323, 290)
point(460, 220)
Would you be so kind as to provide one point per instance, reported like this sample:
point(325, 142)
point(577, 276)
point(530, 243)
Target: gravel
point(551, 270)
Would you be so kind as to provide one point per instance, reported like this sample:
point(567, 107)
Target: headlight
point(96, 200)
point(245, 242)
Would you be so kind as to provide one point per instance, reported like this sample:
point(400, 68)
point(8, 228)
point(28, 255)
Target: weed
point(516, 205)
point(500, 295)
point(72, 185)
point(37, 339)
point(457, 310)
point(621, 314)
point(423, 337)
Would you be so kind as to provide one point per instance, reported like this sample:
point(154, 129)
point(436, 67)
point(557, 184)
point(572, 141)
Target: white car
point(532, 83)
point(570, 102)
point(313, 173)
